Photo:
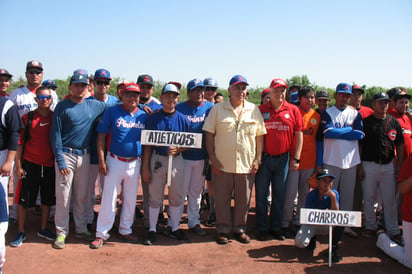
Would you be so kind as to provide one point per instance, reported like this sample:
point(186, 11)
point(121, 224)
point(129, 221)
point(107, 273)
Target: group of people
point(61, 149)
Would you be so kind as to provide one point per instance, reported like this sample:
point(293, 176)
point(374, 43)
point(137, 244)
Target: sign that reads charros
point(171, 138)
point(330, 217)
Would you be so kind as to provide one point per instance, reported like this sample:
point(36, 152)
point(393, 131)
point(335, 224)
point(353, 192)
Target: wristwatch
point(296, 160)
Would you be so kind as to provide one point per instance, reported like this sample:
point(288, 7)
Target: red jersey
point(406, 125)
point(405, 173)
point(38, 149)
point(365, 111)
point(280, 125)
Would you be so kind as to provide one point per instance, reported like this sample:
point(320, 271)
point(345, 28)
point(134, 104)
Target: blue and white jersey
point(153, 104)
point(125, 130)
point(167, 122)
point(110, 100)
point(341, 151)
point(197, 116)
point(25, 101)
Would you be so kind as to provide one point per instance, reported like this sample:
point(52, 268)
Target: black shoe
point(262, 236)
point(211, 221)
point(242, 237)
point(222, 238)
point(287, 233)
point(138, 213)
point(335, 255)
point(277, 235)
point(179, 235)
point(312, 244)
point(150, 238)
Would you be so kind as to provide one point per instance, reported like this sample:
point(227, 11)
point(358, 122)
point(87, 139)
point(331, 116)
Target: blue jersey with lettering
point(196, 116)
point(125, 129)
point(315, 202)
point(153, 105)
point(163, 121)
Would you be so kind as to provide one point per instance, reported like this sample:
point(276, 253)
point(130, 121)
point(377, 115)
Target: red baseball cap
point(278, 83)
point(267, 90)
point(130, 87)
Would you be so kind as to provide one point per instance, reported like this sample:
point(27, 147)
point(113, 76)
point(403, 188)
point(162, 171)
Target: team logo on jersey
point(392, 134)
point(313, 121)
point(266, 116)
point(287, 116)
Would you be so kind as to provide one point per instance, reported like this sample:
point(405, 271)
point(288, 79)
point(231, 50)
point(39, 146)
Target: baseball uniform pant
point(117, 171)
point(4, 181)
point(273, 170)
point(307, 232)
point(403, 254)
point(296, 184)
point(344, 183)
point(380, 177)
point(225, 185)
point(193, 182)
point(74, 186)
point(157, 188)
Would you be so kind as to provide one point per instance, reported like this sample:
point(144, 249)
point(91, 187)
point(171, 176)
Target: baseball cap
point(401, 95)
point(267, 90)
point(177, 84)
point(49, 83)
point(79, 78)
point(325, 173)
point(145, 79)
point(102, 73)
point(357, 87)
point(380, 96)
point(344, 88)
point(34, 64)
point(130, 87)
point(393, 91)
point(194, 83)
point(293, 97)
point(237, 79)
point(294, 86)
point(170, 87)
point(5, 72)
point(81, 71)
point(210, 82)
point(278, 83)
point(322, 94)
point(123, 82)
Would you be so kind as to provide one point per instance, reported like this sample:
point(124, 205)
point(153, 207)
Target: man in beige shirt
point(234, 140)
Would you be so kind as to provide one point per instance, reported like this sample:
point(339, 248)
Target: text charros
point(330, 218)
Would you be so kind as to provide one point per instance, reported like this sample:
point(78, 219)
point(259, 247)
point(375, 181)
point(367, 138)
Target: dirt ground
point(200, 255)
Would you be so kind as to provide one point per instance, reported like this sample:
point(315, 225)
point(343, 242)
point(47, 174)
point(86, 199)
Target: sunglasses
point(99, 82)
point(44, 97)
point(344, 95)
point(35, 71)
point(210, 89)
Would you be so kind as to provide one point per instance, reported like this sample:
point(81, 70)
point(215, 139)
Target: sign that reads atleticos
point(171, 138)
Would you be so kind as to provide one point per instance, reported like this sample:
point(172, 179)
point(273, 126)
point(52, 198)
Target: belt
point(75, 151)
point(274, 156)
point(127, 160)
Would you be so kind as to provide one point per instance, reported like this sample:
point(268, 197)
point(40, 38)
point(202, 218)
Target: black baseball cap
point(325, 173)
point(357, 87)
point(380, 96)
point(5, 72)
point(322, 94)
point(145, 79)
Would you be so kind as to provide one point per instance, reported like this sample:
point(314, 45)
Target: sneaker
point(312, 243)
point(46, 234)
point(349, 232)
point(59, 243)
point(211, 221)
point(179, 235)
point(150, 238)
point(96, 244)
point(287, 233)
point(129, 238)
point(262, 235)
point(18, 240)
point(335, 255)
point(277, 235)
point(369, 233)
point(198, 230)
point(87, 235)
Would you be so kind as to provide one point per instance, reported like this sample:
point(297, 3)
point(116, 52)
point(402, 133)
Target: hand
point(216, 166)
point(64, 172)
point(103, 168)
point(254, 167)
point(174, 151)
point(330, 194)
point(146, 175)
point(5, 170)
point(293, 165)
point(147, 109)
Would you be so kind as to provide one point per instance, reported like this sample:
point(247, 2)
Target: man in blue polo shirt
point(196, 110)
point(70, 139)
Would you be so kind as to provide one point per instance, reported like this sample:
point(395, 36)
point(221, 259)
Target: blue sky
point(367, 42)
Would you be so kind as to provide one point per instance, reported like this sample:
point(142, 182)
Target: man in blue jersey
point(70, 138)
point(342, 127)
point(148, 103)
point(196, 110)
point(124, 122)
point(155, 164)
point(102, 82)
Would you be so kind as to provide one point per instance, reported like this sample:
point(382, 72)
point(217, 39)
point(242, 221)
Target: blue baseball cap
point(210, 82)
point(49, 83)
point(79, 78)
point(102, 73)
point(81, 71)
point(237, 79)
point(294, 97)
point(344, 88)
point(195, 83)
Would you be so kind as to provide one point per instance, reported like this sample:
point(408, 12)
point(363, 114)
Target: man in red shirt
point(356, 101)
point(35, 166)
point(283, 122)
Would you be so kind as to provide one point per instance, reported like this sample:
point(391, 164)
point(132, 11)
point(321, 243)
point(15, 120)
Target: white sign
point(330, 217)
point(171, 138)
